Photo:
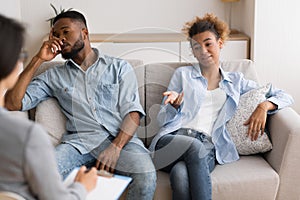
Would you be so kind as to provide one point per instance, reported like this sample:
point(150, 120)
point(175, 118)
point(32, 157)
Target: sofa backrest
point(153, 80)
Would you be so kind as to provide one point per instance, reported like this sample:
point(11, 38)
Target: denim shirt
point(189, 80)
point(94, 101)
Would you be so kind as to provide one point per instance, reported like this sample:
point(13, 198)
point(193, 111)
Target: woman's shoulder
point(14, 120)
point(19, 127)
point(14, 131)
point(184, 69)
point(233, 75)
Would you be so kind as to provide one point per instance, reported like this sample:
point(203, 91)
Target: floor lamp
point(230, 11)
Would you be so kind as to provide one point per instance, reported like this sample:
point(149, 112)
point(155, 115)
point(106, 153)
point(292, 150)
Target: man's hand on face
point(50, 48)
point(107, 159)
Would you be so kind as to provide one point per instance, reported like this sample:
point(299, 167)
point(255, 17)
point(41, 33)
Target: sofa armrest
point(284, 127)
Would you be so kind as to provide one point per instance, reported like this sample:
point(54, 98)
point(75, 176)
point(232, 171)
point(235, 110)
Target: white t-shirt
point(209, 110)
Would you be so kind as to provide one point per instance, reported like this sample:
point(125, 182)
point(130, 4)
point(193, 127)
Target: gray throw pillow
point(238, 131)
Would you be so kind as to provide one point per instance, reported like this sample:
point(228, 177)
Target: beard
point(77, 47)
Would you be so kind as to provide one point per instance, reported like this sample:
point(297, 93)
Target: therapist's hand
point(87, 178)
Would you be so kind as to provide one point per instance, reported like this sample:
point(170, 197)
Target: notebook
point(106, 188)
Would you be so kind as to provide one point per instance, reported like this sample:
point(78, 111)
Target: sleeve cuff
point(132, 107)
point(276, 102)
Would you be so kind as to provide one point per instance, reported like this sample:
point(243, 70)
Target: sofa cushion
point(157, 77)
point(241, 65)
point(249, 178)
point(49, 115)
point(238, 131)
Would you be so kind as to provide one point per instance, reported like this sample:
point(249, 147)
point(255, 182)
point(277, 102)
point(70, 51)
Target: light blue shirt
point(190, 81)
point(94, 101)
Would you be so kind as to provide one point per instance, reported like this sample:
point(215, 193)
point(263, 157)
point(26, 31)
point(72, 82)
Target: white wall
point(276, 45)
point(117, 15)
point(243, 19)
point(271, 24)
point(11, 8)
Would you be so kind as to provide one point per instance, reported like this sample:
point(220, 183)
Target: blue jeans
point(189, 157)
point(134, 161)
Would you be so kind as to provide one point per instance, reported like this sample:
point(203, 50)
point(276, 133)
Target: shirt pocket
point(108, 96)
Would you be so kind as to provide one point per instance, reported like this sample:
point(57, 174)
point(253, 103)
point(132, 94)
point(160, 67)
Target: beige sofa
point(274, 175)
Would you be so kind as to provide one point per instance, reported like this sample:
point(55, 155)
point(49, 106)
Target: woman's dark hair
point(11, 40)
point(74, 15)
point(207, 23)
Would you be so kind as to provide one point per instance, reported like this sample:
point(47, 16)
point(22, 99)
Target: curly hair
point(209, 22)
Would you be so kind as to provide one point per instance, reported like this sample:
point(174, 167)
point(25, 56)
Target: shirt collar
point(197, 72)
point(100, 56)
point(225, 75)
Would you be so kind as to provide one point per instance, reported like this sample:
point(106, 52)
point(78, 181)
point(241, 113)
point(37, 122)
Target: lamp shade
point(230, 0)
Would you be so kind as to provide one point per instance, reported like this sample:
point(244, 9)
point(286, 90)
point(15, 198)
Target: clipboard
point(107, 188)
